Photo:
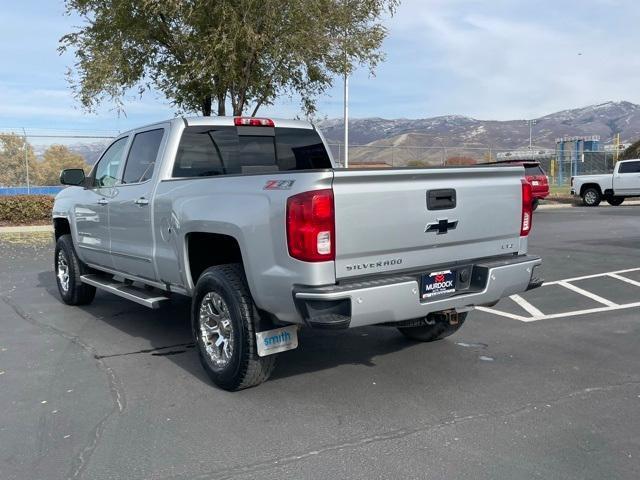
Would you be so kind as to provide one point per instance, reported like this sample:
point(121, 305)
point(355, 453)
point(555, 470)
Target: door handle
point(103, 201)
point(142, 201)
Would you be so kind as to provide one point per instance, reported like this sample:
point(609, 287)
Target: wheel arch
point(586, 186)
point(61, 226)
point(208, 249)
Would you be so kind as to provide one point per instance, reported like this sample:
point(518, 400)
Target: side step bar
point(149, 299)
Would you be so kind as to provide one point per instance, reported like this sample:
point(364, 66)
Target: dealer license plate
point(438, 283)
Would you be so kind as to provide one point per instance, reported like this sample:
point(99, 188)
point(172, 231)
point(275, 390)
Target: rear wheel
point(69, 268)
point(615, 201)
point(437, 329)
point(223, 318)
point(591, 197)
point(535, 204)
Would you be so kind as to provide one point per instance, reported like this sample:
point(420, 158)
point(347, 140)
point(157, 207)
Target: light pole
point(346, 118)
point(531, 124)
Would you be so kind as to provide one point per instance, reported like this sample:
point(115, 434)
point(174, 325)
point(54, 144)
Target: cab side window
point(629, 167)
point(106, 171)
point(141, 160)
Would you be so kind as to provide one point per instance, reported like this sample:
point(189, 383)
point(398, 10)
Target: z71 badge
point(279, 184)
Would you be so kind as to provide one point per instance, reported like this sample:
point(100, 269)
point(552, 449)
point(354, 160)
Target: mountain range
point(464, 135)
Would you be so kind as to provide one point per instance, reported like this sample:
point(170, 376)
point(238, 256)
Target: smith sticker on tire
point(277, 340)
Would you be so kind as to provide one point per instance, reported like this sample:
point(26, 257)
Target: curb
point(27, 229)
point(553, 206)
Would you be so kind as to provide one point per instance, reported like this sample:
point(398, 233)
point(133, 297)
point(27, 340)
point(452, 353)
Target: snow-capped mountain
point(605, 120)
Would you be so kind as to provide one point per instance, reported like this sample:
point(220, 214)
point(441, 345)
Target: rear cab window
point(533, 170)
point(228, 150)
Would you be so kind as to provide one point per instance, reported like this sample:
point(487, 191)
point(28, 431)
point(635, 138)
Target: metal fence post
point(26, 160)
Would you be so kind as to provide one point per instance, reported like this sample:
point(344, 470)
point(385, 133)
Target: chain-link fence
point(559, 166)
point(31, 160)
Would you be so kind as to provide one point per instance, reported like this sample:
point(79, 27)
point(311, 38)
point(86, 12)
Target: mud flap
point(277, 340)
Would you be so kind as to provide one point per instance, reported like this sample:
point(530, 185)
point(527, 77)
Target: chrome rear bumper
point(394, 299)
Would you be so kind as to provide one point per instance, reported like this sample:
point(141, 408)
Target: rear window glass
point(533, 170)
point(208, 151)
point(629, 167)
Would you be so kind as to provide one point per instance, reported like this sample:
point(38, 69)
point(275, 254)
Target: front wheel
point(223, 317)
point(437, 329)
point(591, 197)
point(615, 201)
point(69, 268)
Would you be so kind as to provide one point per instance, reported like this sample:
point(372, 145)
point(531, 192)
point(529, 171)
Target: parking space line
point(531, 310)
point(590, 295)
point(558, 315)
point(596, 275)
point(537, 314)
point(585, 311)
point(512, 316)
point(624, 279)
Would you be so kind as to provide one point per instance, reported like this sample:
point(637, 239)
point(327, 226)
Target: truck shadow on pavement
point(166, 332)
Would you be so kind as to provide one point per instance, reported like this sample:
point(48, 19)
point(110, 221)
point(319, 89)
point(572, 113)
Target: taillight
point(527, 211)
point(311, 226)
point(253, 122)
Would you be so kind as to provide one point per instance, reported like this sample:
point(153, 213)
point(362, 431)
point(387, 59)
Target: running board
point(149, 299)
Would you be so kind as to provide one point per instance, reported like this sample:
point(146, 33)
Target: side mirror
point(72, 176)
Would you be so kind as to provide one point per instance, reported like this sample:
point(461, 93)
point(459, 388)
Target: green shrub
point(25, 209)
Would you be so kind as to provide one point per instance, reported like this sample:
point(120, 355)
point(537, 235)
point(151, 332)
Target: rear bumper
point(540, 195)
point(395, 299)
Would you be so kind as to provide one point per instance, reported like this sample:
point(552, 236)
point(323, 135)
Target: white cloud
point(495, 59)
point(52, 107)
point(501, 60)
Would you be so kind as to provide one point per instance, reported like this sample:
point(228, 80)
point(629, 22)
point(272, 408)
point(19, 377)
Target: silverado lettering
point(379, 264)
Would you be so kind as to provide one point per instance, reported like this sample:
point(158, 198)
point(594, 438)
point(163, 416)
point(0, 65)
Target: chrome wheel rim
point(216, 331)
point(63, 271)
point(590, 197)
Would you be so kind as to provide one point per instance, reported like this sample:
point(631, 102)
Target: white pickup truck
point(614, 187)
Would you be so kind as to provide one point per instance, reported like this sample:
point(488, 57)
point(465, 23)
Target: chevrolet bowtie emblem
point(441, 226)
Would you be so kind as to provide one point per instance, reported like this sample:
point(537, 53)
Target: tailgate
point(383, 223)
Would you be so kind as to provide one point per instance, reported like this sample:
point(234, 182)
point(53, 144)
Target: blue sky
point(489, 59)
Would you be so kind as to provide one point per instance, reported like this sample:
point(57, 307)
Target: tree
point(203, 54)
point(15, 154)
point(632, 151)
point(55, 159)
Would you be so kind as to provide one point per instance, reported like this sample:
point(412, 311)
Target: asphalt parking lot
point(544, 386)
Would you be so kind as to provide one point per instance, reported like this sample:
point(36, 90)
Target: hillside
point(459, 135)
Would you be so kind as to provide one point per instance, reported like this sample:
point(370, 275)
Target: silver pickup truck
point(250, 219)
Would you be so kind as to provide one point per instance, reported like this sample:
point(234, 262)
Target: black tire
point(591, 197)
point(438, 330)
point(76, 292)
point(242, 367)
point(535, 203)
point(615, 201)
